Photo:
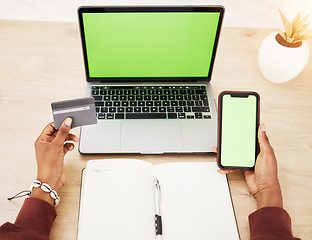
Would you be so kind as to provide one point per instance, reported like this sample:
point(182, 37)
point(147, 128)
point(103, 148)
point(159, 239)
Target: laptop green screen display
point(157, 44)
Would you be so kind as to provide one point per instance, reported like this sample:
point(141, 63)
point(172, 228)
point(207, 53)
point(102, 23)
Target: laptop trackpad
point(151, 136)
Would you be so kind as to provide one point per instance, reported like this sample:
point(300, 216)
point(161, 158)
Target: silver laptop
point(149, 71)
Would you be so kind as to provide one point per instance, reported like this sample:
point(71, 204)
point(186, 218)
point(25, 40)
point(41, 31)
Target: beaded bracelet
point(46, 188)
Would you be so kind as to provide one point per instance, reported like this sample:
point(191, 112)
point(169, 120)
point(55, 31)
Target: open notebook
point(117, 201)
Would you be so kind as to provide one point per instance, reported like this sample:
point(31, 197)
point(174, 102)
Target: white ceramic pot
point(279, 63)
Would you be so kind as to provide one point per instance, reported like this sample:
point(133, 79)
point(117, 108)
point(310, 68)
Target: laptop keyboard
point(151, 102)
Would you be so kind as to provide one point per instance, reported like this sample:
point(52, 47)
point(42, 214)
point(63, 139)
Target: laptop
point(149, 69)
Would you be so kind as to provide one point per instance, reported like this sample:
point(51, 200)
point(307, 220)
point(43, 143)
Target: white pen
point(158, 223)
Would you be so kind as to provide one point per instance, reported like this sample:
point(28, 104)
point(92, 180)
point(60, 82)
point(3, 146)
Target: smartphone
point(238, 122)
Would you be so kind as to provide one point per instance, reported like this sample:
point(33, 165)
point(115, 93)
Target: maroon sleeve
point(34, 222)
point(270, 223)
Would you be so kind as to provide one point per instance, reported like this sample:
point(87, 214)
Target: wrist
point(38, 193)
point(54, 182)
point(269, 197)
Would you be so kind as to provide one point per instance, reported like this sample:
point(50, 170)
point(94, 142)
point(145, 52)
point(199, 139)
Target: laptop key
point(155, 97)
point(129, 109)
point(147, 98)
point(133, 104)
point(104, 109)
point(172, 115)
point(170, 109)
point(112, 109)
point(108, 104)
point(187, 109)
point(157, 103)
point(205, 102)
point(120, 109)
point(174, 103)
point(198, 115)
point(145, 109)
point(145, 115)
point(125, 104)
point(95, 92)
point(198, 103)
point(162, 109)
point(97, 98)
point(190, 103)
point(141, 103)
point(178, 109)
point(200, 109)
point(149, 103)
point(119, 116)
point(137, 109)
point(101, 116)
point(154, 109)
point(110, 116)
point(99, 104)
point(200, 91)
point(181, 115)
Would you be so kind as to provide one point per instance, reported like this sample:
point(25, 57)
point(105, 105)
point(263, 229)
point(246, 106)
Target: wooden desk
point(41, 62)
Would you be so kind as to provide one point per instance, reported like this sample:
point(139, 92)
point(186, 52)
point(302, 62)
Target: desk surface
point(41, 62)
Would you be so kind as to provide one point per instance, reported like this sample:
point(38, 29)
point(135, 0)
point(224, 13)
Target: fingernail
point(71, 148)
point(262, 127)
point(68, 122)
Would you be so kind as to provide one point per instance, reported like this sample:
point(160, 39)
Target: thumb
point(263, 139)
point(63, 131)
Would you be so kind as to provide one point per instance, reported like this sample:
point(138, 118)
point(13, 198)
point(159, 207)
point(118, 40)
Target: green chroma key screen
point(238, 133)
point(157, 44)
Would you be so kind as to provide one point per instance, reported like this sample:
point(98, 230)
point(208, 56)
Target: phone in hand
point(238, 122)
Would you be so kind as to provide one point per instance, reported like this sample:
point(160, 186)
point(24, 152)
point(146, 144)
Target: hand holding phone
point(237, 130)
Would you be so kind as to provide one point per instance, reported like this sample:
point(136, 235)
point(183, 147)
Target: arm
point(270, 221)
point(37, 214)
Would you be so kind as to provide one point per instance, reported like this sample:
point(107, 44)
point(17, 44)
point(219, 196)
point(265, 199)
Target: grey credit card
point(81, 110)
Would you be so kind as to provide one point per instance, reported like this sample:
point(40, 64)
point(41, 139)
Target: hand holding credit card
point(81, 111)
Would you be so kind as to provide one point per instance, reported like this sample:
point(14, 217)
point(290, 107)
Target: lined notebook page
point(117, 200)
point(195, 202)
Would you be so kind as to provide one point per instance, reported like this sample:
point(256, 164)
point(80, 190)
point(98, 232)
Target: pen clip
point(157, 188)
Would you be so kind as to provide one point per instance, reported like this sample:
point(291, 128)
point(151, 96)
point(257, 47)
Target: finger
point(63, 131)
point(72, 137)
point(48, 130)
point(263, 139)
point(215, 149)
point(68, 147)
point(226, 171)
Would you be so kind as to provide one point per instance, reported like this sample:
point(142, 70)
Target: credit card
point(80, 110)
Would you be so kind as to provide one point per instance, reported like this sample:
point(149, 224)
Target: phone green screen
point(238, 131)
point(160, 44)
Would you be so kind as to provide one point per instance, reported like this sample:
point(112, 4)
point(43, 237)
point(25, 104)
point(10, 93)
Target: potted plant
point(283, 55)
